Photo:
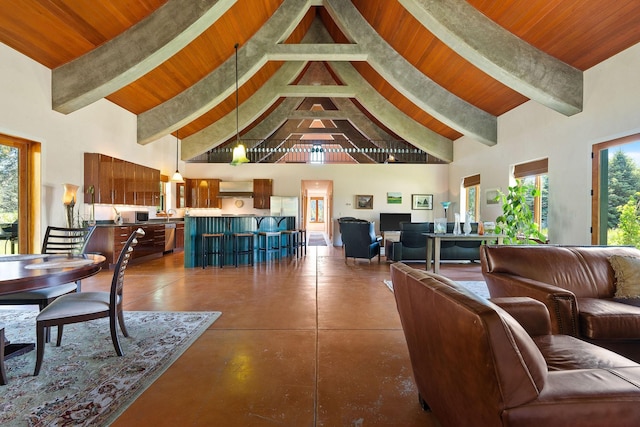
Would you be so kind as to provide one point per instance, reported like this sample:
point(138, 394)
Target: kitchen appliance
point(142, 216)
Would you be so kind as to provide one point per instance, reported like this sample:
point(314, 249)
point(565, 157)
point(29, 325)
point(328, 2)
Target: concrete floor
point(312, 341)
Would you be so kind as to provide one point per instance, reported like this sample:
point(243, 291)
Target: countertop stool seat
point(291, 242)
point(302, 240)
point(269, 243)
point(243, 245)
point(213, 244)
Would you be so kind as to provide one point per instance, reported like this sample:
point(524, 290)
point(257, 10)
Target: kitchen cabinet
point(109, 240)
point(118, 182)
point(179, 235)
point(203, 193)
point(262, 192)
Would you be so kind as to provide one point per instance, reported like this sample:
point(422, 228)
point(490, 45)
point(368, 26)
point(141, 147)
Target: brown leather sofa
point(475, 365)
point(576, 283)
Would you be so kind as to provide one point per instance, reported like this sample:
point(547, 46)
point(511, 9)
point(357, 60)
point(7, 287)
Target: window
point(471, 185)
point(535, 173)
point(615, 183)
point(316, 205)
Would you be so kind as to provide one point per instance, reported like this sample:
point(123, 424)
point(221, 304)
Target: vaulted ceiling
point(361, 77)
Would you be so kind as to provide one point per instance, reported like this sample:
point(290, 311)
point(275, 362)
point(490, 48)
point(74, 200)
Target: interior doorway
point(317, 206)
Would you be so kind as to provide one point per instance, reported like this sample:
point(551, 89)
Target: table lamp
point(445, 205)
point(69, 201)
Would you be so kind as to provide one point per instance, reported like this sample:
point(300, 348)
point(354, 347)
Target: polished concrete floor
point(312, 341)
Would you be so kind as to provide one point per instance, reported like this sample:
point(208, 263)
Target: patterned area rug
point(83, 382)
point(477, 287)
point(317, 239)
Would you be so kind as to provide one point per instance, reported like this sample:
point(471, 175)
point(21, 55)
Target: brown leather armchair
point(576, 283)
point(475, 365)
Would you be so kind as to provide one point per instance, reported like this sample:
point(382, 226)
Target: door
point(20, 190)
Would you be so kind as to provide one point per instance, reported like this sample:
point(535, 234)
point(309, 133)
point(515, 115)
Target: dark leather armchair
point(360, 240)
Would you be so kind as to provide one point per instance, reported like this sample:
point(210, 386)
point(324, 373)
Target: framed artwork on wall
point(422, 201)
point(364, 201)
point(394, 198)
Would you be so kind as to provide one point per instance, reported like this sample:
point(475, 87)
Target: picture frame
point(422, 202)
point(364, 201)
point(492, 195)
point(394, 198)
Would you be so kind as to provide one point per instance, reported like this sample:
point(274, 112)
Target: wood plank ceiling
point(577, 33)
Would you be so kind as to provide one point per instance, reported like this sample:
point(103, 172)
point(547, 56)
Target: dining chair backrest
point(117, 283)
point(59, 240)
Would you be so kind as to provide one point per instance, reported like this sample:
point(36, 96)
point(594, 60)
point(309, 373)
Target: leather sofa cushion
point(564, 352)
point(608, 319)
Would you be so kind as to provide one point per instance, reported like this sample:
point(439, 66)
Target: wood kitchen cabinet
point(203, 193)
point(118, 182)
point(109, 240)
point(179, 235)
point(262, 192)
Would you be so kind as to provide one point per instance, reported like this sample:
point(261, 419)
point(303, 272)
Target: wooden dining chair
point(57, 240)
point(85, 306)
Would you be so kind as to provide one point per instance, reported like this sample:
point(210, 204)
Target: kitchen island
point(196, 226)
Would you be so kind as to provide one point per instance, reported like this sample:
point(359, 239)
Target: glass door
point(9, 199)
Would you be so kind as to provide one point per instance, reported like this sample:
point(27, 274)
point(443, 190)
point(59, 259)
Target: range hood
point(236, 189)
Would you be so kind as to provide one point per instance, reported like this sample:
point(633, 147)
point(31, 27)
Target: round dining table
point(27, 272)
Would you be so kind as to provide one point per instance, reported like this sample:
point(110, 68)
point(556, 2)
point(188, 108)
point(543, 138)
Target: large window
point(616, 192)
point(471, 185)
point(535, 173)
point(316, 212)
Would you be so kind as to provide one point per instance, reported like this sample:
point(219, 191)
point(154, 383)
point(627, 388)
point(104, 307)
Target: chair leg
point(114, 336)
point(59, 340)
point(40, 333)
point(123, 328)
point(3, 373)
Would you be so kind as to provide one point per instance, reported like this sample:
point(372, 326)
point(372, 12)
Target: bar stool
point(291, 241)
point(302, 240)
point(216, 249)
point(269, 242)
point(243, 245)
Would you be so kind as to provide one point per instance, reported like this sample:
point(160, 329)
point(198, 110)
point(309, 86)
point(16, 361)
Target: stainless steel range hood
point(236, 189)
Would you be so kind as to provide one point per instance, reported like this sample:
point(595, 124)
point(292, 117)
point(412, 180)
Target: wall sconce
point(69, 201)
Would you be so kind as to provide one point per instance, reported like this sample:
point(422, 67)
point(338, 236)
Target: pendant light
point(239, 152)
point(176, 176)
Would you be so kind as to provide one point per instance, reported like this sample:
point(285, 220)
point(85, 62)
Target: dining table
point(28, 272)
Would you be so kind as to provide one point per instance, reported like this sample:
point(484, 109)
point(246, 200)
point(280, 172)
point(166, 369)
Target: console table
point(434, 240)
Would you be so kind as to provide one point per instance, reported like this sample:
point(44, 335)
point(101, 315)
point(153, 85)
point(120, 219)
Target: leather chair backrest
point(470, 359)
point(583, 270)
point(411, 233)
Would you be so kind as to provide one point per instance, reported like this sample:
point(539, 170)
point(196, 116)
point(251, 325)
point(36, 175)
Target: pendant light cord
point(177, 148)
point(237, 114)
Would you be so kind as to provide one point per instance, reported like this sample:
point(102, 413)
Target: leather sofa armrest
point(532, 315)
point(561, 303)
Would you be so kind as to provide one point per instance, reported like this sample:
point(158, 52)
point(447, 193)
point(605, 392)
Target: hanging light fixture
point(177, 177)
point(239, 152)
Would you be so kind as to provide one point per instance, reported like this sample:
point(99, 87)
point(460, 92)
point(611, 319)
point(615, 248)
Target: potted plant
point(516, 221)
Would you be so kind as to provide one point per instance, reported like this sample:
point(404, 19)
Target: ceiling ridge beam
point(317, 52)
point(220, 83)
point(501, 54)
point(445, 106)
point(128, 56)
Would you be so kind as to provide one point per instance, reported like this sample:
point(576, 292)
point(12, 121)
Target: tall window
point(316, 210)
point(535, 173)
point(615, 204)
point(471, 185)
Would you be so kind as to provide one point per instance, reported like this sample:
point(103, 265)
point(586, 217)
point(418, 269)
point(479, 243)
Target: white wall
point(531, 131)
point(103, 127)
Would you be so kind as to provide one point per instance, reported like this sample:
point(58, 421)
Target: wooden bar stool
point(291, 241)
point(302, 240)
point(269, 243)
point(243, 245)
point(212, 244)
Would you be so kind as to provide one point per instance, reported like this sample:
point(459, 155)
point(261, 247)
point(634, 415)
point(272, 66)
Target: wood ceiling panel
point(435, 59)
point(54, 32)
point(198, 58)
point(580, 33)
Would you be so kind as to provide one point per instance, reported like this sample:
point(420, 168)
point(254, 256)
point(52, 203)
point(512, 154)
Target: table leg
point(429, 253)
point(436, 250)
